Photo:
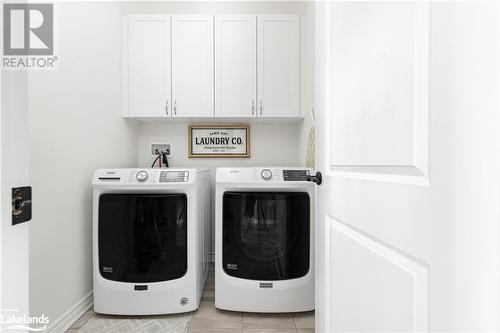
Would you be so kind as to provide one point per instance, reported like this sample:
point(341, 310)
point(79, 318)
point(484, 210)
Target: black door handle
point(317, 178)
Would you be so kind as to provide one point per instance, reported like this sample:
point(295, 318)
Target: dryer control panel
point(295, 175)
point(263, 175)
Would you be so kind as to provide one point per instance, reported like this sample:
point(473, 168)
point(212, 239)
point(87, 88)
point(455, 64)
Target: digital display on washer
point(173, 176)
point(295, 175)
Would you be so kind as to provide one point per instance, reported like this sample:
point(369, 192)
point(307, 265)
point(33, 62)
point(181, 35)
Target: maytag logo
point(233, 267)
point(266, 285)
point(107, 269)
point(28, 36)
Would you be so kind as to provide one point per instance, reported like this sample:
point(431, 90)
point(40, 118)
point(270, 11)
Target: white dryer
point(150, 240)
point(264, 241)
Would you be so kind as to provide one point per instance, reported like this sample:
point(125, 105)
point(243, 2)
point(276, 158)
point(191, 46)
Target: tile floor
point(207, 319)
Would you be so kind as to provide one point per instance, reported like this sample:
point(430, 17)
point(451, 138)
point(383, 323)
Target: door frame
point(322, 53)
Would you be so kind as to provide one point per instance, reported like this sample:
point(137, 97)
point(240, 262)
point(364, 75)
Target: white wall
point(307, 76)
point(75, 127)
point(14, 242)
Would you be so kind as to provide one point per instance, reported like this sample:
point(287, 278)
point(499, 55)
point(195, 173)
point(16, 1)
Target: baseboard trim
point(67, 319)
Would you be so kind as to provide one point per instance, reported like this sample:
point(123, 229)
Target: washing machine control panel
point(157, 176)
point(174, 176)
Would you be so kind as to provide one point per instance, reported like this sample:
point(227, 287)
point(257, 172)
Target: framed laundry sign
point(219, 140)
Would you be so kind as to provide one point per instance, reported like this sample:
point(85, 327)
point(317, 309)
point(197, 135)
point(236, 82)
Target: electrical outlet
point(156, 147)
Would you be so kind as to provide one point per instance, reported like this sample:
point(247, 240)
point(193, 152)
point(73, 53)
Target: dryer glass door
point(266, 235)
point(142, 237)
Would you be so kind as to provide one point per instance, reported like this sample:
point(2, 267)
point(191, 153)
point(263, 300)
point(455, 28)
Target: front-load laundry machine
point(150, 240)
point(264, 240)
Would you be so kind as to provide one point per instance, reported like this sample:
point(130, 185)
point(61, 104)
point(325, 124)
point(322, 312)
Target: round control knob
point(266, 174)
point(142, 176)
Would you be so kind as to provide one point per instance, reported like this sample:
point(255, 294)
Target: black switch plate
point(21, 204)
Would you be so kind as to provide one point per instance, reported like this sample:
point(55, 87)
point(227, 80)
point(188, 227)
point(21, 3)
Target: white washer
point(150, 240)
point(264, 240)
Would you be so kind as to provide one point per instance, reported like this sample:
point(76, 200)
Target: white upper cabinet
point(235, 66)
point(278, 66)
point(148, 71)
point(193, 65)
point(176, 66)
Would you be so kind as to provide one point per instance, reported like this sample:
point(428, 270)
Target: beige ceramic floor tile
point(304, 319)
point(267, 321)
point(213, 330)
point(208, 317)
point(209, 286)
point(142, 324)
point(208, 295)
point(271, 330)
point(305, 330)
point(214, 323)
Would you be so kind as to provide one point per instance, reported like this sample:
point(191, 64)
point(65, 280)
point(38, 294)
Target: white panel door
point(408, 143)
point(193, 65)
point(235, 66)
point(278, 65)
point(149, 61)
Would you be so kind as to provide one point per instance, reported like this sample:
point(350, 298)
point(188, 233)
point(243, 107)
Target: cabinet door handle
point(253, 107)
point(260, 107)
point(175, 107)
point(166, 107)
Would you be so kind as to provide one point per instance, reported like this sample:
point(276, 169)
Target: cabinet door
point(192, 66)
point(235, 66)
point(148, 69)
point(278, 66)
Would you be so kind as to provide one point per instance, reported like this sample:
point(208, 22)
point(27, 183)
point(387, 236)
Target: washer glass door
point(142, 237)
point(266, 235)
